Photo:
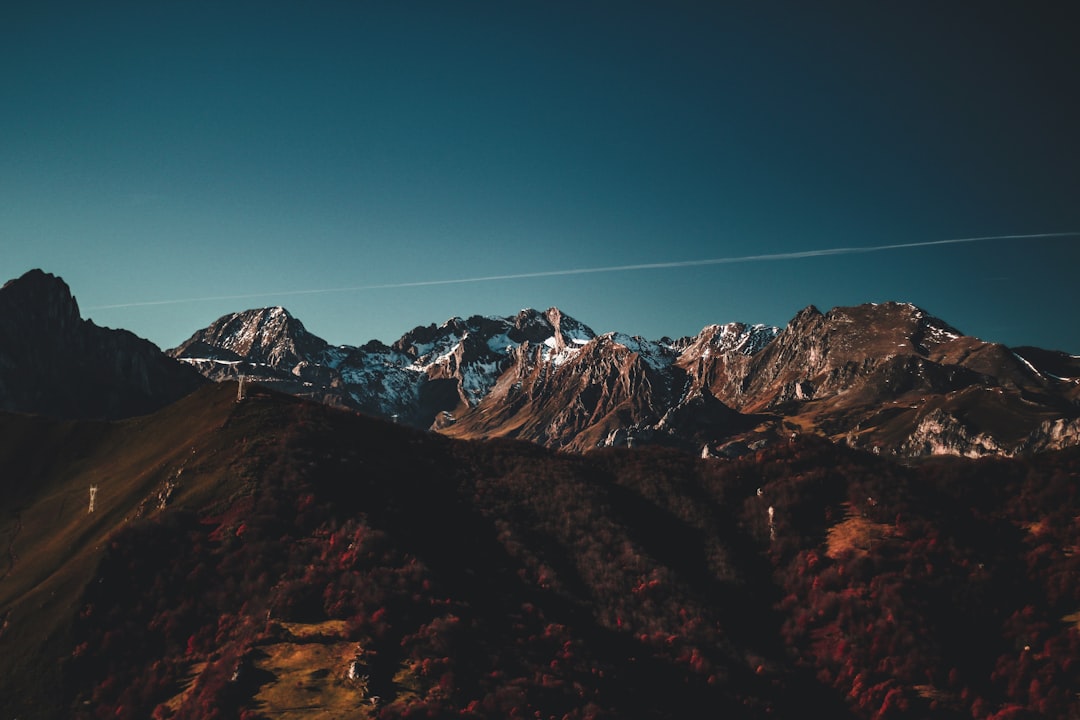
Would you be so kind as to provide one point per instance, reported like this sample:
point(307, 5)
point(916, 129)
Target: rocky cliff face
point(888, 378)
point(1055, 434)
point(573, 395)
point(53, 362)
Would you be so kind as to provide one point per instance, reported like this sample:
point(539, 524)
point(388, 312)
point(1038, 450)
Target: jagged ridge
point(885, 377)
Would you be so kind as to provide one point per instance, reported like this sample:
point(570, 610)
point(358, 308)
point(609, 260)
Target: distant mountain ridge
point(53, 362)
point(885, 377)
point(428, 371)
point(889, 378)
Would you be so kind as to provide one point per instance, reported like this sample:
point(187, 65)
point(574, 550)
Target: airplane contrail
point(826, 252)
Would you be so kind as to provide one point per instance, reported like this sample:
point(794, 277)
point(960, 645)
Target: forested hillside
point(314, 563)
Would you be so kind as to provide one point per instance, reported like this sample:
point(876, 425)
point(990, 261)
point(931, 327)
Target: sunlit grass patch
point(855, 534)
point(187, 684)
point(314, 675)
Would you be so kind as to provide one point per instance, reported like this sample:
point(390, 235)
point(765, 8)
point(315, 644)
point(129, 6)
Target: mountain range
point(175, 548)
point(884, 377)
point(890, 378)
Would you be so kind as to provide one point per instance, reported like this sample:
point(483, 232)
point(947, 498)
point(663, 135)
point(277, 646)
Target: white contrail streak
point(827, 252)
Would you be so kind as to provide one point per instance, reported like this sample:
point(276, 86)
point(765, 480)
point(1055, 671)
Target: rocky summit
point(52, 362)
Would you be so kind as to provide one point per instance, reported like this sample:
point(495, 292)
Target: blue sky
point(187, 151)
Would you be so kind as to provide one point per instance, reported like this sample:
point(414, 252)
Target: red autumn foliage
point(515, 582)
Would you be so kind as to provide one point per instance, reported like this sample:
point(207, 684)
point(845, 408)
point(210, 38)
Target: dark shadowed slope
point(280, 558)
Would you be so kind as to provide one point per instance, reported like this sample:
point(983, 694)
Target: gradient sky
point(187, 151)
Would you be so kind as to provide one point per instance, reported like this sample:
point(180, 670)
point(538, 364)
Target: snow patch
point(477, 379)
point(654, 354)
point(501, 343)
point(1030, 366)
point(560, 358)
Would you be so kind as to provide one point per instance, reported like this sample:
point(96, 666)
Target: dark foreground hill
point(278, 558)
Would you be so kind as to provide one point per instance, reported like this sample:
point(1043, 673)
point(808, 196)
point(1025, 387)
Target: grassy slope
point(53, 544)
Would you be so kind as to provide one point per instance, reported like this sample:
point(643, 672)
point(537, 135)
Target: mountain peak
point(43, 297)
point(35, 277)
point(902, 325)
point(734, 337)
point(55, 363)
point(265, 335)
